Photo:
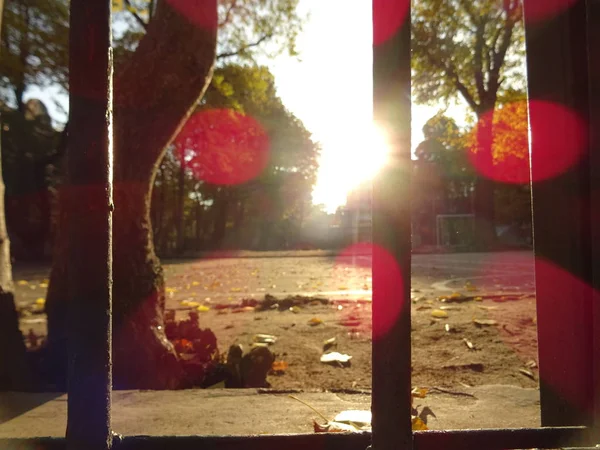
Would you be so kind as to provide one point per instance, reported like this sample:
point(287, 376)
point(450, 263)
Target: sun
point(347, 161)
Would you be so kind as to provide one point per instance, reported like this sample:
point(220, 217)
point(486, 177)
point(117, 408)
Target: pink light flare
point(388, 17)
point(388, 283)
point(223, 147)
point(558, 134)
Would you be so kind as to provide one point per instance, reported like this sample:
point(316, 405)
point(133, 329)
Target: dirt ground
point(503, 351)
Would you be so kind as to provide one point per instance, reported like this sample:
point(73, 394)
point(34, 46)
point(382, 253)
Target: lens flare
point(388, 17)
point(223, 147)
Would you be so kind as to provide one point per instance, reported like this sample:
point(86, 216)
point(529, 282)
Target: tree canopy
point(34, 46)
point(468, 48)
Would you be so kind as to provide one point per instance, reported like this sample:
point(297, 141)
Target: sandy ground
point(503, 351)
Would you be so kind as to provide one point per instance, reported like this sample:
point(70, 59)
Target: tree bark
point(14, 371)
point(221, 207)
point(154, 93)
point(485, 227)
point(181, 193)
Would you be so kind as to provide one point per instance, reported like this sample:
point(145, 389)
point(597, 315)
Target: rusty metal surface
point(557, 69)
point(392, 229)
point(88, 194)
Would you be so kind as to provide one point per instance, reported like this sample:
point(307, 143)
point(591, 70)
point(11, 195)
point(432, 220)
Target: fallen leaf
point(279, 367)
point(485, 322)
point(235, 289)
point(334, 427)
point(295, 309)
point(43, 285)
point(343, 288)
point(40, 301)
point(422, 307)
point(265, 338)
point(360, 419)
point(315, 321)
point(469, 344)
point(202, 308)
point(419, 392)
point(527, 373)
point(439, 314)
point(531, 364)
point(478, 299)
point(336, 358)
point(23, 282)
point(195, 283)
point(328, 343)
point(418, 424)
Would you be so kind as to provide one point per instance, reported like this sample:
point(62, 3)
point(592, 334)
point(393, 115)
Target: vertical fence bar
point(593, 31)
point(558, 94)
point(392, 228)
point(89, 202)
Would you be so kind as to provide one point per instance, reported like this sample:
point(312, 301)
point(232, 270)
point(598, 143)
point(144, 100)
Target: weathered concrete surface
point(244, 411)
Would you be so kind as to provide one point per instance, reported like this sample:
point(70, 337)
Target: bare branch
point(135, 15)
point(228, 13)
point(478, 59)
point(460, 86)
point(244, 47)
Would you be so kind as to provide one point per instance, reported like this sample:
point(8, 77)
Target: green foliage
point(34, 45)
point(248, 29)
point(444, 146)
point(468, 48)
point(272, 206)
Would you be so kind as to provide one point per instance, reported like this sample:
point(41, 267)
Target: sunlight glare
point(358, 156)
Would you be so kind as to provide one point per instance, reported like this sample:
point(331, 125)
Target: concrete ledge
point(245, 411)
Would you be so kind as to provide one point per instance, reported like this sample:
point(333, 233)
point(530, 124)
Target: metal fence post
point(89, 201)
point(593, 37)
point(557, 69)
point(392, 228)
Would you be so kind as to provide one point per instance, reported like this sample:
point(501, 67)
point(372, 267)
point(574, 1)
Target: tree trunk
point(154, 93)
point(14, 371)
point(485, 228)
point(221, 207)
point(199, 225)
point(180, 219)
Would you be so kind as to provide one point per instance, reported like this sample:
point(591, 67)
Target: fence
point(562, 68)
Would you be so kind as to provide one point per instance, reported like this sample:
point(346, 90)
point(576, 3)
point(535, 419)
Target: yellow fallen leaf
point(279, 366)
point(170, 290)
point(418, 424)
point(343, 288)
point(195, 283)
point(235, 289)
point(478, 299)
point(202, 308)
point(419, 392)
point(40, 301)
point(315, 321)
point(43, 285)
point(439, 314)
point(23, 282)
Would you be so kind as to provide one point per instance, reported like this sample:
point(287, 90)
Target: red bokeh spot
point(566, 300)
point(223, 147)
point(388, 284)
point(544, 9)
point(388, 17)
point(558, 141)
point(199, 12)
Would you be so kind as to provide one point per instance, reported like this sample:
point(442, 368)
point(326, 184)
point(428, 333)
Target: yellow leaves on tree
point(509, 161)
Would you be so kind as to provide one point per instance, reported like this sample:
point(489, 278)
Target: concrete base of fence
point(246, 411)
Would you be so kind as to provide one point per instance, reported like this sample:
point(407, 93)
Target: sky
point(329, 88)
